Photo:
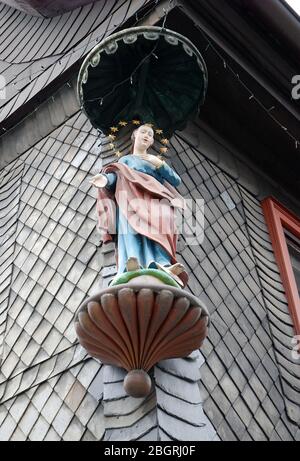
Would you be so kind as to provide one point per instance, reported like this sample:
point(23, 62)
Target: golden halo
point(114, 131)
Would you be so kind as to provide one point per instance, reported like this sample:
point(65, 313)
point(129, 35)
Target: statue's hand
point(157, 162)
point(99, 180)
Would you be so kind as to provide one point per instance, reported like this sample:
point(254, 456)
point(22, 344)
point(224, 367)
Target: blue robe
point(131, 243)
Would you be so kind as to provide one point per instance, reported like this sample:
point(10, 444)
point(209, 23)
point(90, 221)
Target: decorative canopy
point(150, 73)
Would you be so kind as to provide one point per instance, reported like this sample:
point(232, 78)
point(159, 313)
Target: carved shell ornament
point(134, 327)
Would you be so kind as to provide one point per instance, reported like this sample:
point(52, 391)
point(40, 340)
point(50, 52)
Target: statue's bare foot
point(132, 264)
point(176, 268)
point(169, 271)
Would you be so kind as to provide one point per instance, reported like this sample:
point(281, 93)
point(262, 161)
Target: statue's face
point(144, 137)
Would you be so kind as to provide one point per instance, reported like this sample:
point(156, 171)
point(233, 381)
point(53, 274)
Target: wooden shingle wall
point(10, 182)
point(250, 388)
point(35, 51)
point(46, 258)
point(280, 320)
point(50, 389)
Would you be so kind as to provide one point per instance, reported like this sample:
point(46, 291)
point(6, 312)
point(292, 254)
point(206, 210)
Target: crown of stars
point(163, 150)
point(136, 123)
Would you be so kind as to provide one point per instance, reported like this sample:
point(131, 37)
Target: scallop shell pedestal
point(137, 324)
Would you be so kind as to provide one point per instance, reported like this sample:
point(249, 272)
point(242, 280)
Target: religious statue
point(143, 188)
point(155, 75)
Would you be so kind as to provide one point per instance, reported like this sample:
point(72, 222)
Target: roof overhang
point(46, 8)
point(250, 67)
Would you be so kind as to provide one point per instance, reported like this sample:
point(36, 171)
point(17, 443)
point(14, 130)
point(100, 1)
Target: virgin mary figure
point(136, 207)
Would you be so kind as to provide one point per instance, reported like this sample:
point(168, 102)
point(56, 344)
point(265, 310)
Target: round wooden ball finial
point(137, 383)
